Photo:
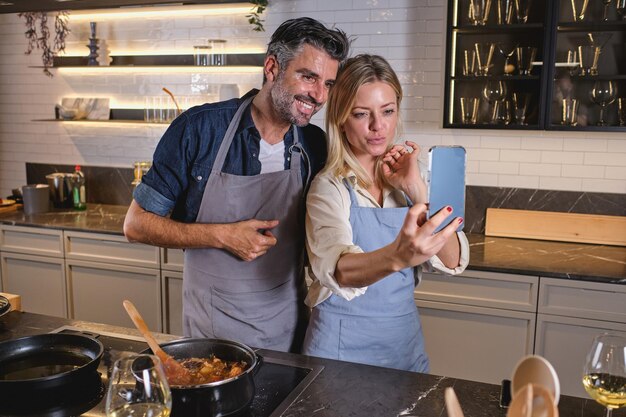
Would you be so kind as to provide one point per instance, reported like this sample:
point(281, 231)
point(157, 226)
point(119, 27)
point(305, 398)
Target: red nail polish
point(449, 209)
point(460, 220)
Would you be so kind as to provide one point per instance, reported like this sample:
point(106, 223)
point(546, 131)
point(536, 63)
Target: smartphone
point(446, 182)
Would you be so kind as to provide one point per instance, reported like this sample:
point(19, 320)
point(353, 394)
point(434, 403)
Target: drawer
point(582, 299)
point(31, 240)
point(172, 259)
point(109, 248)
point(482, 289)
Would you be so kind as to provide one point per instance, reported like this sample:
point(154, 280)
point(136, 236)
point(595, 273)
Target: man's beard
point(283, 102)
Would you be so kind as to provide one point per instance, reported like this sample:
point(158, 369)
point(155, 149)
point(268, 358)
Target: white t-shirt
point(272, 157)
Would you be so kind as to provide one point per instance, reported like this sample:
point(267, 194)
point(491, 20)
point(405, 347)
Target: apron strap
point(228, 137)
point(353, 200)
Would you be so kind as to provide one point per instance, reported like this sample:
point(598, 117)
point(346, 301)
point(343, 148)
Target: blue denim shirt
point(184, 157)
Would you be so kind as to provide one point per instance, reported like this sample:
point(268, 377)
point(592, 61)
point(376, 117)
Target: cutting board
point(15, 300)
point(563, 227)
point(9, 209)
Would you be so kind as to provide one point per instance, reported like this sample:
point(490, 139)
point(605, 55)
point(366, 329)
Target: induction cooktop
point(278, 383)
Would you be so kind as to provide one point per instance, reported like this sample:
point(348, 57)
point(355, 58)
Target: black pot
point(47, 361)
point(222, 398)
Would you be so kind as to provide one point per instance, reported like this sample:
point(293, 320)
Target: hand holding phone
point(446, 182)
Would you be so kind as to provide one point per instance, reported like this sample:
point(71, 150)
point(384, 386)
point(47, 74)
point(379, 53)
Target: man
point(233, 176)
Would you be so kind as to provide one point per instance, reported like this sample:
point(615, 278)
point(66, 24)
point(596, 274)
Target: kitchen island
point(340, 389)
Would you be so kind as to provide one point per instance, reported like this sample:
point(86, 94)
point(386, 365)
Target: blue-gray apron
point(261, 302)
point(382, 326)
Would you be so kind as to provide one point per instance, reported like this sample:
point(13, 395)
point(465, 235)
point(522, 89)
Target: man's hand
point(248, 239)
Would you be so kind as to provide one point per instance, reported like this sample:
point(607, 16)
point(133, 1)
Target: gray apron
point(261, 302)
point(381, 327)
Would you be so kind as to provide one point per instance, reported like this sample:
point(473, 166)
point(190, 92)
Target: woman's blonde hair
point(357, 71)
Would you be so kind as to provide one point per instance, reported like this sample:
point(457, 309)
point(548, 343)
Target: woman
point(366, 228)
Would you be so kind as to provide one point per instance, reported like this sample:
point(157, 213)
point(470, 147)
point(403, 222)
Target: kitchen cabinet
point(172, 290)
point(102, 270)
point(96, 291)
point(594, 38)
point(507, 71)
point(570, 314)
point(31, 261)
point(172, 296)
point(478, 324)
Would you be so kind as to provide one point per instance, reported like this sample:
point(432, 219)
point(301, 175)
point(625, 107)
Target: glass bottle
point(78, 192)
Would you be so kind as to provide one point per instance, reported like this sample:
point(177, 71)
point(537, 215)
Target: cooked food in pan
point(213, 369)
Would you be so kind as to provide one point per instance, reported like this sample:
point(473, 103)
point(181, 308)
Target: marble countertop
point(577, 261)
point(342, 388)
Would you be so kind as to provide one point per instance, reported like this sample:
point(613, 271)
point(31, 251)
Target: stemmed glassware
point(579, 8)
point(605, 14)
point(603, 94)
point(604, 373)
point(479, 12)
point(138, 388)
point(620, 7)
point(494, 91)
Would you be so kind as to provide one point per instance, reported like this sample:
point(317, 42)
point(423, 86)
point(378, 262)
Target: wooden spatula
point(452, 403)
point(175, 372)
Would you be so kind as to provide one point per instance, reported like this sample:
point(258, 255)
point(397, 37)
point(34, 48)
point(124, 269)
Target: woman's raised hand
point(401, 169)
point(416, 242)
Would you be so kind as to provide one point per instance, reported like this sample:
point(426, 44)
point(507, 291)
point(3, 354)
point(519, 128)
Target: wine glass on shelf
point(138, 388)
point(620, 7)
point(603, 94)
point(493, 92)
point(604, 374)
point(605, 13)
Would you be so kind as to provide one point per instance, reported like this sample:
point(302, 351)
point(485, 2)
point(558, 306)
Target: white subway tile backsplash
point(608, 159)
point(489, 167)
point(585, 145)
point(560, 183)
point(409, 33)
point(519, 155)
point(616, 173)
point(518, 181)
point(583, 171)
point(562, 157)
point(604, 186)
point(540, 170)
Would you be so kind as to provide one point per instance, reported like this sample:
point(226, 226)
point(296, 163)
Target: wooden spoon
point(176, 373)
point(533, 400)
point(452, 403)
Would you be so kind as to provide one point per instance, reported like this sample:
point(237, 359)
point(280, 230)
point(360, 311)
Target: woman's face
point(371, 125)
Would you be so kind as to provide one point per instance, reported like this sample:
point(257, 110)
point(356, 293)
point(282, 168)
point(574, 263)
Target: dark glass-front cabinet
point(524, 64)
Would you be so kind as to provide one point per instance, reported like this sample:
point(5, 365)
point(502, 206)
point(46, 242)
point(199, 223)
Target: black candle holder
point(93, 46)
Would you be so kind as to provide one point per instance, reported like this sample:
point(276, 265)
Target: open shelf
point(232, 60)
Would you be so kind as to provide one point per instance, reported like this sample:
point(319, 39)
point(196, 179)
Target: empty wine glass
point(603, 94)
point(604, 373)
point(605, 14)
point(484, 56)
point(479, 11)
point(579, 8)
point(620, 7)
point(522, 7)
point(505, 12)
point(494, 91)
point(520, 107)
point(138, 388)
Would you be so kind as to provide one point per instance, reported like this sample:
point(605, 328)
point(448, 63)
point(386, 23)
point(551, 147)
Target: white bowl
point(535, 369)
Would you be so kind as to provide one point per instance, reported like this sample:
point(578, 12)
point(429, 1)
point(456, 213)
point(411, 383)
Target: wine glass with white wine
point(138, 388)
point(604, 375)
point(603, 93)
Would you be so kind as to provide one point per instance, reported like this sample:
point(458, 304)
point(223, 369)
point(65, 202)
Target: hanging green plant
point(38, 36)
point(254, 18)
